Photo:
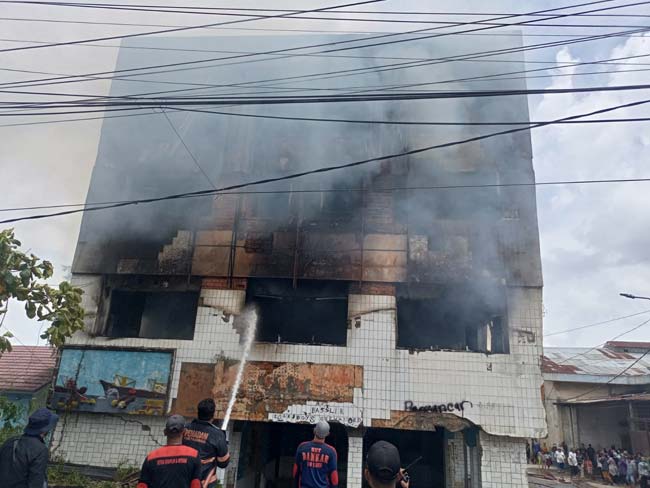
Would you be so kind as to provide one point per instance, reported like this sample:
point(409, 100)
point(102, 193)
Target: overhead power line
point(222, 8)
point(616, 319)
point(337, 74)
point(625, 370)
point(291, 49)
point(488, 77)
point(280, 100)
point(336, 167)
point(261, 29)
point(390, 189)
point(182, 29)
point(237, 12)
point(584, 353)
point(349, 121)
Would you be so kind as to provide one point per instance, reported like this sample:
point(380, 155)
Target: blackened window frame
point(328, 298)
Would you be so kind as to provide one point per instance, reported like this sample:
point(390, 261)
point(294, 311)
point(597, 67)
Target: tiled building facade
point(396, 311)
point(503, 389)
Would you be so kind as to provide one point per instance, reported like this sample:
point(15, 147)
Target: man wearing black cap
point(23, 460)
point(209, 440)
point(173, 465)
point(384, 468)
point(315, 465)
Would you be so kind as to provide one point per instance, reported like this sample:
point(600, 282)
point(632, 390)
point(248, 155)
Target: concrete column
point(355, 461)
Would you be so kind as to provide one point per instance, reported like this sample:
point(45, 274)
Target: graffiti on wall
point(113, 381)
point(310, 413)
point(409, 406)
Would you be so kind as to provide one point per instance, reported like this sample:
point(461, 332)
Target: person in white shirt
point(644, 472)
point(573, 462)
point(559, 458)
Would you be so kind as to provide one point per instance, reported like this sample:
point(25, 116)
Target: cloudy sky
point(594, 238)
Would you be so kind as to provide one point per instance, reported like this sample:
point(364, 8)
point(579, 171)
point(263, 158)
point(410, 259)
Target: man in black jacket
point(23, 460)
point(209, 440)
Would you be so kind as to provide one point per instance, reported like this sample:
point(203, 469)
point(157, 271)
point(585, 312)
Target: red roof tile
point(26, 368)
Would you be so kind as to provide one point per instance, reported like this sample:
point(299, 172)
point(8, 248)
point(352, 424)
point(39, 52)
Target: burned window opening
point(311, 313)
point(152, 314)
point(452, 318)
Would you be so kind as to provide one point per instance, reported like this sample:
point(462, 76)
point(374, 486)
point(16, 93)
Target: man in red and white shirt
point(173, 465)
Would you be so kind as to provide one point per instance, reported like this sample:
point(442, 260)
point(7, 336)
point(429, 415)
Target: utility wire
point(277, 51)
point(573, 329)
point(181, 29)
point(374, 12)
point(187, 149)
point(335, 167)
point(347, 190)
point(490, 77)
point(262, 29)
point(279, 100)
point(335, 56)
point(583, 353)
point(232, 13)
point(339, 73)
point(609, 381)
point(349, 121)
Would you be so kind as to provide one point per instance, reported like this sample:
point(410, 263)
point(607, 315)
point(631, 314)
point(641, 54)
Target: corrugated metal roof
point(628, 344)
point(595, 362)
point(26, 368)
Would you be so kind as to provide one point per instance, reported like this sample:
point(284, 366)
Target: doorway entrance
point(267, 453)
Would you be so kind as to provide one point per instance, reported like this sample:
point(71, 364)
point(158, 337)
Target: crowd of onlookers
point(614, 466)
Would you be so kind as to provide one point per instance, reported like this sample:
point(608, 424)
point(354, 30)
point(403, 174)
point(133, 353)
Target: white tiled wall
point(355, 461)
point(107, 440)
point(503, 462)
point(504, 389)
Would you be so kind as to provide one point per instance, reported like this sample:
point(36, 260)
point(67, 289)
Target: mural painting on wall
point(116, 381)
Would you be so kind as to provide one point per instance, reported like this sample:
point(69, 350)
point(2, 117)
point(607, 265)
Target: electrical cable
point(309, 31)
point(187, 149)
point(279, 100)
point(353, 71)
point(277, 51)
point(490, 77)
point(374, 12)
point(609, 381)
point(341, 56)
point(356, 190)
point(335, 167)
point(230, 13)
point(583, 353)
point(349, 121)
point(596, 324)
point(182, 29)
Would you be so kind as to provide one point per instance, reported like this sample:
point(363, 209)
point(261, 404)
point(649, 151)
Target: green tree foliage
point(23, 277)
point(10, 416)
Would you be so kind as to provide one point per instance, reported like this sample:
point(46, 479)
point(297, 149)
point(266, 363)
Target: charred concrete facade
point(400, 300)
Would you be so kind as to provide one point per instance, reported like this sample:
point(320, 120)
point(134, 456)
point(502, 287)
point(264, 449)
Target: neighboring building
point(394, 311)
point(26, 375)
point(598, 396)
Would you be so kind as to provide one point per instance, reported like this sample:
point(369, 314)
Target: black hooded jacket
point(23, 462)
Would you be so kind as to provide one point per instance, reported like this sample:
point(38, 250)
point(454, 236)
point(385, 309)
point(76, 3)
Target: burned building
point(399, 299)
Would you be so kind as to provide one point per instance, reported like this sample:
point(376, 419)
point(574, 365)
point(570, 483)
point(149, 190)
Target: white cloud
point(594, 239)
